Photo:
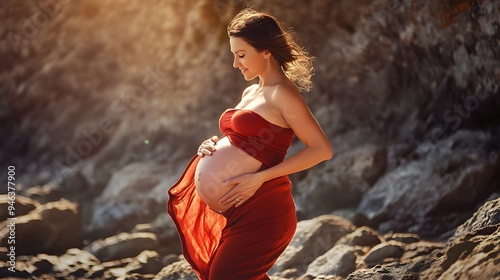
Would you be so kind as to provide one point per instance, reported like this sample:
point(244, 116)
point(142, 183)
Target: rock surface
point(312, 239)
point(487, 215)
point(123, 245)
point(135, 194)
point(22, 206)
point(338, 261)
point(103, 104)
point(348, 253)
point(351, 174)
point(449, 176)
point(383, 251)
point(177, 270)
point(363, 236)
point(473, 251)
point(50, 228)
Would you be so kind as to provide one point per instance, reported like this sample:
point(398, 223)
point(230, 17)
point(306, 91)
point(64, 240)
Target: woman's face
point(251, 62)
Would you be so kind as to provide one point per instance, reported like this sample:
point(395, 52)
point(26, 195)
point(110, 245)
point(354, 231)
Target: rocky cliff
point(105, 101)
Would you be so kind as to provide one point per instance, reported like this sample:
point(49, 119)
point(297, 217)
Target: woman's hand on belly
point(208, 146)
point(243, 188)
point(229, 162)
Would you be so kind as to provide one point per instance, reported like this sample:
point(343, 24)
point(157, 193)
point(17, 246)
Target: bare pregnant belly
point(226, 162)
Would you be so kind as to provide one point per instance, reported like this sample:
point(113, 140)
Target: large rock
point(341, 182)
point(487, 215)
point(474, 256)
point(473, 252)
point(382, 251)
point(312, 239)
point(58, 227)
point(421, 249)
point(363, 236)
point(438, 178)
point(123, 245)
point(177, 270)
point(338, 261)
point(134, 195)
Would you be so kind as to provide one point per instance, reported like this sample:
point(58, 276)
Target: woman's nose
point(236, 62)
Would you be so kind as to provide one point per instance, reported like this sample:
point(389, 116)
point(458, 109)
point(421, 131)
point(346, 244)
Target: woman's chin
point(248, 78)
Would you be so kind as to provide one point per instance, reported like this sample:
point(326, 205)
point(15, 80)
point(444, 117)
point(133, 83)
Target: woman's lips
point(243, 71)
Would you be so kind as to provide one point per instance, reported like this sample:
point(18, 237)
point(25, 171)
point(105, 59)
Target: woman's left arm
point(295, 112)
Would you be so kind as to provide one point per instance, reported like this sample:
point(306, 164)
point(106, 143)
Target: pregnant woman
point(233, 206)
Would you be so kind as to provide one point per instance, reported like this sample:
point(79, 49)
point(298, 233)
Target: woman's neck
point(273, 75)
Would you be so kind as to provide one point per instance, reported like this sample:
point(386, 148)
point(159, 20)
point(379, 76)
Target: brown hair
point(264, 32)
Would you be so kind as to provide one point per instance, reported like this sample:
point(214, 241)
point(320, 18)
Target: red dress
point(242, 243)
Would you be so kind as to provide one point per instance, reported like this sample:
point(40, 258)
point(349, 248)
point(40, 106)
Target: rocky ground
point(325, 247)
point(105, 103)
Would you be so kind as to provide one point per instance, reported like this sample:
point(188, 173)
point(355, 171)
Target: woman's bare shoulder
point(286, 94)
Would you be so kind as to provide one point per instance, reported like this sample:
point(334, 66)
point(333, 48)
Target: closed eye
point(241, 56)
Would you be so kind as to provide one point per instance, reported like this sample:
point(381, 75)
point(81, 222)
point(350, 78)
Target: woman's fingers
point(210, 143)
point(206, 152)
point(234, 199)
point(231, 197)
point(207, 147)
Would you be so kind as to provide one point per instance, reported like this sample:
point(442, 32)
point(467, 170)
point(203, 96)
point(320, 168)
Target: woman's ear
point(267, 54)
